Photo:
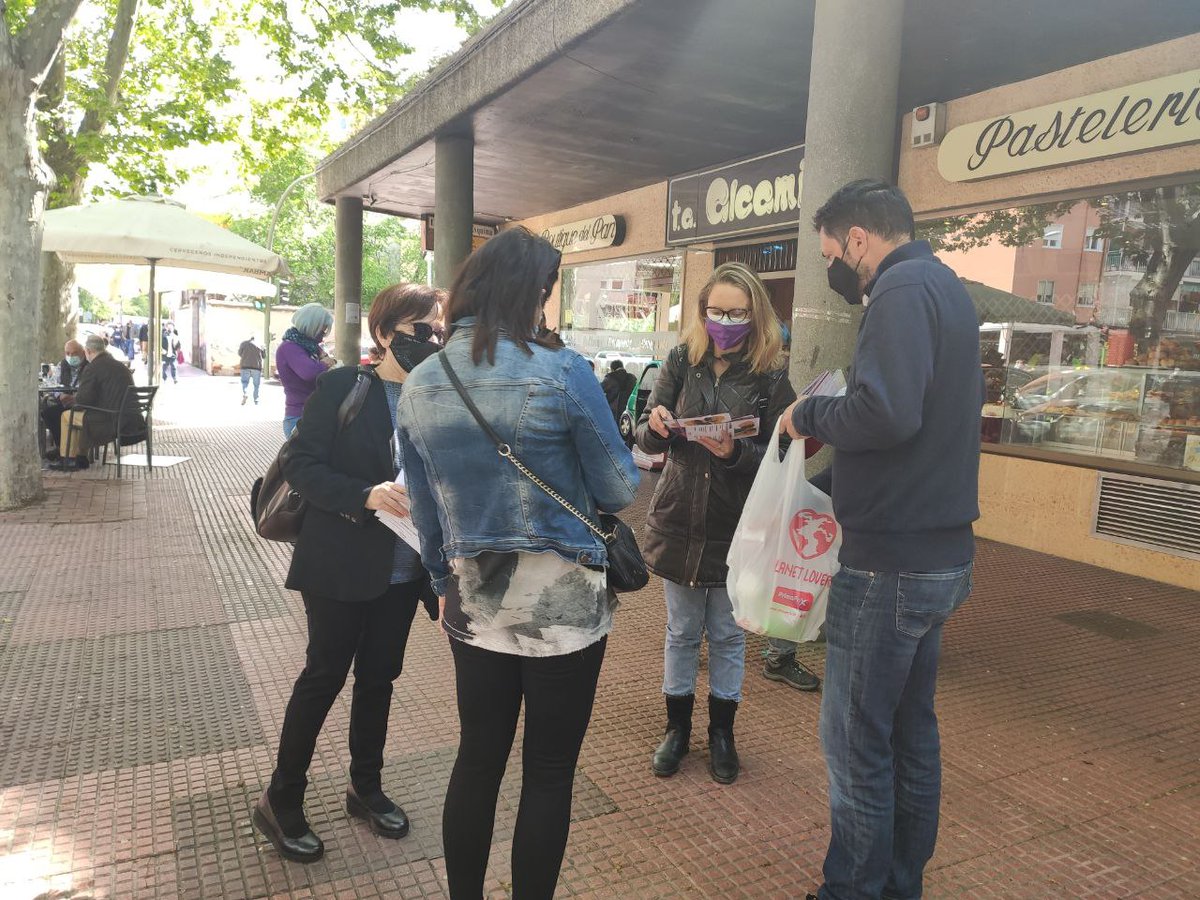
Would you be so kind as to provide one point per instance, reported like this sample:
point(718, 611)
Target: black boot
point(674, 746)
point(722, 755)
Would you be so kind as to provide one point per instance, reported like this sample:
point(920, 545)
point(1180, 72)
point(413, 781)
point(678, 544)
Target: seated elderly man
point(69, 372)
point(103, 386)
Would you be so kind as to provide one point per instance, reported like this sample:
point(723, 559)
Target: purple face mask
point(726, 336)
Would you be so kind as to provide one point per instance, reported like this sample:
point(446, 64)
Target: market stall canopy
point(995, 305)
point(137, 230)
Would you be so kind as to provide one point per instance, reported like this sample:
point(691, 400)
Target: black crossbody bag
point(627, 570)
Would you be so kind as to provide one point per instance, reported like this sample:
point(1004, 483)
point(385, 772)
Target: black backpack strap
point(764, 401)
point(357, 397)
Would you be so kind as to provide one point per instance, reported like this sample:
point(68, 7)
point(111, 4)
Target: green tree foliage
point(1157, 229)
point(174, 88)
point(304, 235)
point(180, 86)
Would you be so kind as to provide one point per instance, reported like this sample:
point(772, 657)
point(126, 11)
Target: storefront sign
point(1158, 113)
point(588, 234)
point(758, 194)
point(479, 234)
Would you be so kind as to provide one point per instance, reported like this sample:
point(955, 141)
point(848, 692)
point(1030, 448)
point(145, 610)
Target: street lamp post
point(268, 302)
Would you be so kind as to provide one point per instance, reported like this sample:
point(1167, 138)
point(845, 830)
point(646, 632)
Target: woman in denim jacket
point(526, 601)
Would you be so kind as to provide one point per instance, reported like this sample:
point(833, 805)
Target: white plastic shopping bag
point(784, 552)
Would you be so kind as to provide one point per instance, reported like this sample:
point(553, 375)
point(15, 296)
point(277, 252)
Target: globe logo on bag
point(813, 533)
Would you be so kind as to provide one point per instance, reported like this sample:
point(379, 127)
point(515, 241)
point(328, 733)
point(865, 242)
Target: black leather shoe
point(674, 747)
point(307, 848)
point(392, 824)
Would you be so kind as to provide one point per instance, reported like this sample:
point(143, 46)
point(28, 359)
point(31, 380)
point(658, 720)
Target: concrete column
point(347, 280)
point(850, 133)
point(453, 205)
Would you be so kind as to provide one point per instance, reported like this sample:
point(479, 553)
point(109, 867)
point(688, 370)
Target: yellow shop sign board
point(1159, 113)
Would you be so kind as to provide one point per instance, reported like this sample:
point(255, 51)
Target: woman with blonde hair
point(730, 362)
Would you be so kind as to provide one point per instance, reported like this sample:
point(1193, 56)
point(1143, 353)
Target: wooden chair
point(144, 398)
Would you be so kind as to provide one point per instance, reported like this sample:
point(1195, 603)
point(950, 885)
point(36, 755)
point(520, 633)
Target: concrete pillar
point(453, 205)
point(347, 280)
point(850, 133)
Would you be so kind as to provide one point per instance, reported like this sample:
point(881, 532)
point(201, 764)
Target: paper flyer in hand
point(714, 426)
point(830, 383)
point(402, 527)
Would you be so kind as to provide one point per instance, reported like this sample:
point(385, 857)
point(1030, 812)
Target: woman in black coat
point(360, 583)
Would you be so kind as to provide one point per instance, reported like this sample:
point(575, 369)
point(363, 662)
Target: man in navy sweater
point(904, 487)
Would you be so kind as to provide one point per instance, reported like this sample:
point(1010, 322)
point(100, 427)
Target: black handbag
point(627, 570)
point(277, 508)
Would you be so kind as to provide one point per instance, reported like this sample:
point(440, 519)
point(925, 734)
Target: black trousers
point(370, 634)
point(558, 692)
point(52, 411)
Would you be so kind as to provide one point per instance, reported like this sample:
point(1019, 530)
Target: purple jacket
point(298, 373)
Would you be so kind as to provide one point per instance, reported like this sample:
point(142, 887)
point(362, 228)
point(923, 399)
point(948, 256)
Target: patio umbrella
point(103, 279)
point(995, 305)
point(153, 231)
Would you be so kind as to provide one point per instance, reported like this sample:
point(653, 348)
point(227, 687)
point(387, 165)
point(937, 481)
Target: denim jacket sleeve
point(423, 506)
point(609, 473)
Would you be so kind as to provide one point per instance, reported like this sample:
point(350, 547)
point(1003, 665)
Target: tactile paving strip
point(10, 605)
point(416, 781)
point(249, 571)
point(78, 706)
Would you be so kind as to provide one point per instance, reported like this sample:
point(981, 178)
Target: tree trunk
point(60, 301)
point(1152, 295)
point(23, 186)
point(60, 306)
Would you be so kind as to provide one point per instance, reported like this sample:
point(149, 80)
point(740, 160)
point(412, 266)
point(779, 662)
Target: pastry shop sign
point(587, 234)
point(758, 194)
point(1159, 113)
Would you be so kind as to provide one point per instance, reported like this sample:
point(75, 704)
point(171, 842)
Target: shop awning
point(574, 100)
point(995, 305)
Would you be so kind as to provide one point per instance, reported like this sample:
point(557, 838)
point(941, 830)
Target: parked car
point(637, 400)
point(633, 362)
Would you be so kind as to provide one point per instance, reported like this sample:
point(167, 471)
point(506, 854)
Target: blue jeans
point(168, 367)
point(692, 613)
point(779, 648)
point(289, 425)
point(247, 375)
point(878, 727)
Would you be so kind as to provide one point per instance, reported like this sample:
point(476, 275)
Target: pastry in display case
point(1092, 411)
point(1170, 420)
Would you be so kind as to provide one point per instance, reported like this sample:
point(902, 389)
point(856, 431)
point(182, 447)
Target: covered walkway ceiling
point(573, 100)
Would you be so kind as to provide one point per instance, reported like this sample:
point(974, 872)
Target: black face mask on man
point(843, 279)
point(410, 350)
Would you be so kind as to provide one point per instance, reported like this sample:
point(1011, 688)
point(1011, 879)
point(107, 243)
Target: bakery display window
point(1115, 379)
point(627, 309)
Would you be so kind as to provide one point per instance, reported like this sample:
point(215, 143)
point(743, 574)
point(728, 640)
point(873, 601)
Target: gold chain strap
point(506, 451)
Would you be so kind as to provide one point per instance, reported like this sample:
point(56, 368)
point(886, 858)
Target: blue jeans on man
point(249, 375)
point(879, 730)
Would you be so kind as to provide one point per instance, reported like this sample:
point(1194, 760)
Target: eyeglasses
point(728, 316)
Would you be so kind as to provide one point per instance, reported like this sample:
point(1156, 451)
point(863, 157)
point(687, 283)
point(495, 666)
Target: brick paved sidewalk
point(147, 649)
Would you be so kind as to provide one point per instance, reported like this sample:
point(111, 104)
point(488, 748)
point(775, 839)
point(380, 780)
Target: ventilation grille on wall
point(1161, 515)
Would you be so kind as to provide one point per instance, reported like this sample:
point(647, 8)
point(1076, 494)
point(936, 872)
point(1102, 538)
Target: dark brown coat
point(699, 498)
point(104, 385)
